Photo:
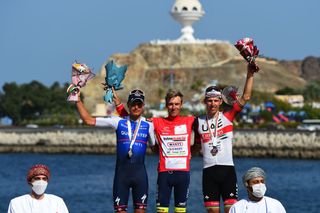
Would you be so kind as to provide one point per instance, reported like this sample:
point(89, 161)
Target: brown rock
point(150, 68)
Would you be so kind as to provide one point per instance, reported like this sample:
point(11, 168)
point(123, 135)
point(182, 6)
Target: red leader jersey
point(174, 137)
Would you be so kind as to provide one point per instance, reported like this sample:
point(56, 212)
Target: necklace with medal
point(132, 139)
point(213, 136)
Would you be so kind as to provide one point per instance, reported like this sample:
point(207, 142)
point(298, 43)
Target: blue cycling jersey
point(144, 134)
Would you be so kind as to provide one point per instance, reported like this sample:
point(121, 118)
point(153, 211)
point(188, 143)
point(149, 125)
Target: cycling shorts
point(179, 181)
point(219, 181)
point(128, 176)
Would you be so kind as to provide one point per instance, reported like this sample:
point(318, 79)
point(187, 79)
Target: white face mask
point(39, 186)
point(258, 190)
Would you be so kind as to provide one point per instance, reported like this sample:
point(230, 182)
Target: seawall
point(251, 143)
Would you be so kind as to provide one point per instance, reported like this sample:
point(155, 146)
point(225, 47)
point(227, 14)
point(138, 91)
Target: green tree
point(11, 101)
point(1, 106)
point(197, 85)
point(312, 91)
point(260, 97)
point(288, 91)
point(312, 113)
point(266, 115)
point(34, 102)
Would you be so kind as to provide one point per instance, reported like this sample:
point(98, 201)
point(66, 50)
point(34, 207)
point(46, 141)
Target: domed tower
point(186, 12)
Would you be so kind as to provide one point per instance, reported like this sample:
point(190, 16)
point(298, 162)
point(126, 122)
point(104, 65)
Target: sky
point(40, 39)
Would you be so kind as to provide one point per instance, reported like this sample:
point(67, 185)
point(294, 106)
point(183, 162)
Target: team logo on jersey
point(175, 144)
point(205, 128)
point(143, 127)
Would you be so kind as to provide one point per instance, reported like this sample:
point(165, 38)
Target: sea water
point(85, 181)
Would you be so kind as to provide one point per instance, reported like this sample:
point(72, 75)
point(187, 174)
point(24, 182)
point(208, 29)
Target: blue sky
point(40, 39)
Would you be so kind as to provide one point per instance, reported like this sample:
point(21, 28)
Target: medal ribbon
point(214, 140)
point(132, 139)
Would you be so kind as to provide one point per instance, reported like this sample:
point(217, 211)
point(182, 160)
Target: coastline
point(247, 143)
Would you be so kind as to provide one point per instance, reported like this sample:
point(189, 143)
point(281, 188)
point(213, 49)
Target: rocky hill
point(310, 68)
point(190, 68)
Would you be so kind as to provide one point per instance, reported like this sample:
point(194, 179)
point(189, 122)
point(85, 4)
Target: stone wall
point(304, 145)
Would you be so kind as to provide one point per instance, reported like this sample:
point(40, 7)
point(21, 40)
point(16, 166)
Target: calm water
point(85, 181)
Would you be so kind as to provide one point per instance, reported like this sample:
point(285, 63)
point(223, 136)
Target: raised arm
point(121, 110)
point(247, 90)
point(84, 114)
point(116, 99)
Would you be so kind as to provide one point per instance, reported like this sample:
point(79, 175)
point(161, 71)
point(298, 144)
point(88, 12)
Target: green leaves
point(37, 103)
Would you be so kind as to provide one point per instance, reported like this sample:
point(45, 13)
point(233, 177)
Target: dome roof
point(187, 5)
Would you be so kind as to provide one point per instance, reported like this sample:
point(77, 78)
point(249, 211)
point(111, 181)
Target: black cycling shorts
point(219, 181)
point(179, 181)
point(130, 176)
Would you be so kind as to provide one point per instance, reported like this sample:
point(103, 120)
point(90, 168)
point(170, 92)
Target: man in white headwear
point(256, 202)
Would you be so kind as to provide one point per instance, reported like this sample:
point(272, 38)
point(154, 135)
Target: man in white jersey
point(37, 201)
point(254, 180)
point(214, 133)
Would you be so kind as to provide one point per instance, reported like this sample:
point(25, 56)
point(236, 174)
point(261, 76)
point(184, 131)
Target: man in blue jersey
point(133, 134)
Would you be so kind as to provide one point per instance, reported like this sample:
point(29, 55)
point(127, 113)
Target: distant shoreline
point(248, 143)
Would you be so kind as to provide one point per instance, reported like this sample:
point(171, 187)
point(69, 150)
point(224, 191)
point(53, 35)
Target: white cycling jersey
point(216, 144)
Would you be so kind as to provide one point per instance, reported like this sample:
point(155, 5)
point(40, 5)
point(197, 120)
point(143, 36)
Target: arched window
point(184, 9)
point(195, 9)
point(175, 9)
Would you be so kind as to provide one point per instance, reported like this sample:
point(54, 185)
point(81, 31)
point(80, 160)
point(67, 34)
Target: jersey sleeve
point(121, 110)
point(111, 121)
point(231, 114)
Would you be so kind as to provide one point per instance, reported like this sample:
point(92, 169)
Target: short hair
point(173, 93)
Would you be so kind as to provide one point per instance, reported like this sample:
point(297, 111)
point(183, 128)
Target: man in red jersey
point(173, 134)
point(214, 133)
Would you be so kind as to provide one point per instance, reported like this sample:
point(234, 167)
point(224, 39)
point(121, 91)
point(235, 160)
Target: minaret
point(186, 12)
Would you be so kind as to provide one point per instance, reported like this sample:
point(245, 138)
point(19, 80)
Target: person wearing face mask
point(256, 202)
point(37, 201)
